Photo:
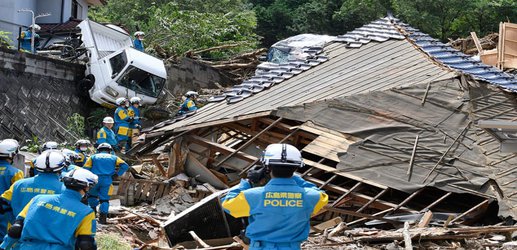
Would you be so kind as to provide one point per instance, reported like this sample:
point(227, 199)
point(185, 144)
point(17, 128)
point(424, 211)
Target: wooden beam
point(329, 169)
point(406, 200)
point(159, 165)
point(476, 42)
point(269, 121)
point(412, 159)
point(224, 149)
point(375, 214)
point(336, 202)
point(248, 142)
point(356, 214)
point(446, 152)
point(372, 200)
point(436, 202)
point(328, 181)
point(485, 202)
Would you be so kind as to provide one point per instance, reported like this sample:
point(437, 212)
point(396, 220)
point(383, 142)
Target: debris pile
point(468, 46)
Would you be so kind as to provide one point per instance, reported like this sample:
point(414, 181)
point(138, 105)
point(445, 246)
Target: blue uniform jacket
point(106, 135)
point(188, 105)
point(135, 113)
point(139, 45)
point(55, 221)
point(82, 158)
point(106, 164)
point(121, 121)
point(21, 192)
point(8, 176)
point(25, 40)
point(279, 212)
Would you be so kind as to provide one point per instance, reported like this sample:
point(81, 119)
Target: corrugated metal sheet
point(374, 66)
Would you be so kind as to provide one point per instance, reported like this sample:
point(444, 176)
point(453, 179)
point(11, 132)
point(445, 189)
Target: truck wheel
point(86, 83)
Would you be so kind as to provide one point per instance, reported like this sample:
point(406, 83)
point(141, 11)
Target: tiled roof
point(52, 28)
point(458, 61)
point(373, 57)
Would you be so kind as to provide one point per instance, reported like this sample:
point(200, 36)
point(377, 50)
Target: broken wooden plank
point(328, 224)
point(424, 221)
point(412, 159)
point(248, 142)
point(159, 165)
point(361, 215)
point(446, 152)
point(194, 168)
point(476, 42)
point(485, 202)
point(198, 240)
point(338, 200)
point(372, 200)
point(407, 237)
point(222, 148)
point(436, 201)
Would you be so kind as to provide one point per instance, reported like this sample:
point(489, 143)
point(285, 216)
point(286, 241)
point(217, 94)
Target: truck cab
point(115, 69)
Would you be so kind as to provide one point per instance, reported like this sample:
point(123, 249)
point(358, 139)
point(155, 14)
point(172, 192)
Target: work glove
point(256, 174)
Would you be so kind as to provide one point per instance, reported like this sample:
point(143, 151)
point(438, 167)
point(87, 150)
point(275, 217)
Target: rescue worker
point(8, 175)
point(189, 104)
point(279, 212)
point(104, 165)
point(122, 121)
point(49, 165)
point(134, 112)
point(70, 158)
point(81, 148)
point(50, 145)
point(25, 38)
point(105, 134)
point(139, 41)
point(59, 221)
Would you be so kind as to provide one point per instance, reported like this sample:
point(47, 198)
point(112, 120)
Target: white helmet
point(120, 101)
point(282, 155)
point(191, 93)
point(104, 147)
point(108, 119)
point(70, 155)
point(36, 27)
point(50, 145)
point(50, 161)
point(82, 142)
point(135, 99)
point(139, 33)
point(80, 178)
point(9, 148)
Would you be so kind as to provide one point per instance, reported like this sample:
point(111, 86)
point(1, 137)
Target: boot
point(94, 210)
point(102, 218)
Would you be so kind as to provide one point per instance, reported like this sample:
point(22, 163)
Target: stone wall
point(190, 74)
point(37, 95)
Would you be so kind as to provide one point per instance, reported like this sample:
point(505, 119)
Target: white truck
point(115, 69)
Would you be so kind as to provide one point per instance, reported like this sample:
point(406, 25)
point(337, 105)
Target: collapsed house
point(387, 120)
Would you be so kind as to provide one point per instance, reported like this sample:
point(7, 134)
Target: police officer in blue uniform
point(81, 148)
point(106, 134)
point(122, 121)
point(49, 164)
point(189, 105)
point(279, 212)
point(58, 221)
point(104, 164)
point(8, 175)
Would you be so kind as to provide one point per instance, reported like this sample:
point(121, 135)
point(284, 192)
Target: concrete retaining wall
point(37, 95)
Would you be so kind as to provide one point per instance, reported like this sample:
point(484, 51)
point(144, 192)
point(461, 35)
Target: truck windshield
point(141, 81)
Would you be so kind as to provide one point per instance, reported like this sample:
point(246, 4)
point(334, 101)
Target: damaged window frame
point(156, 83)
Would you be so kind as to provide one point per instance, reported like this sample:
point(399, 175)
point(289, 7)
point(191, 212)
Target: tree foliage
point(182, 25)
point(278, 19)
